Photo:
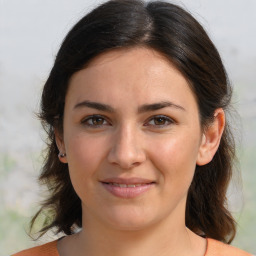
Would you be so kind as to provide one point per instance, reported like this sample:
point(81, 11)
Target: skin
point(163, 146)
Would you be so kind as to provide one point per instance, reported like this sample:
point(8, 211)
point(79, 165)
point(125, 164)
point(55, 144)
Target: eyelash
point(84, 121)
point(165, 119)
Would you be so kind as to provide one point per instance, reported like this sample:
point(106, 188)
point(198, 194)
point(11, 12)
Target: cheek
point(84, 157)
point(175, 157)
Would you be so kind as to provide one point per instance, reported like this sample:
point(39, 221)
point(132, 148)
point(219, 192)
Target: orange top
point(214, 248)
point(49, 249)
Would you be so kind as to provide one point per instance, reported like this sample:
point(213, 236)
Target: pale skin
point(163, 144)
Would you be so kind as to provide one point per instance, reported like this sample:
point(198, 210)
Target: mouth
point(127, 185)
point(127, 188)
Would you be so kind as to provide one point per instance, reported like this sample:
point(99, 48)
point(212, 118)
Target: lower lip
point(127, 192)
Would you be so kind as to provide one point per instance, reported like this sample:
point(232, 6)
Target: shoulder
point(49, 249)
point(217, 248)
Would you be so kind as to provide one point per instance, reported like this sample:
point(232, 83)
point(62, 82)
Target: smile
point(125, 185)
point(127, 188)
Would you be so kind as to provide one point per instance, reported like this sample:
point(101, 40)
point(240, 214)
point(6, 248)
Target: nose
point(126, 148)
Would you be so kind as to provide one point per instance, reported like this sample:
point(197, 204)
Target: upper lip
point(127, 181)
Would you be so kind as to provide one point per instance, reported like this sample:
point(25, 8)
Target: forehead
point(113, 54)
point(141, 58)
point(140, 74)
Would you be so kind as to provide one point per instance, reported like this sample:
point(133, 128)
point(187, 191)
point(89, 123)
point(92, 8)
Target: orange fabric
point(214, 248)
point(48, 249)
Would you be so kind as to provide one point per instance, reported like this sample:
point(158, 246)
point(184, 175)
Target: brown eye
point(94, 121)
point(97, 121)
point(160, 121)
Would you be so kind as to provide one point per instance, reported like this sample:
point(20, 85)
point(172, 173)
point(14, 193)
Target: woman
point(140, 153)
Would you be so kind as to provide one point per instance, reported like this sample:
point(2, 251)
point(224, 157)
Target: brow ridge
point(141, 109)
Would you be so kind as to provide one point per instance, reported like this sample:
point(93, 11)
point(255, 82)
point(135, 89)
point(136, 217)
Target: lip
point(127, 181)
point(128, 191)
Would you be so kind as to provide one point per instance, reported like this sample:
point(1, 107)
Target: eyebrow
point(95, 105)
point(141, 109)
point(159, 105)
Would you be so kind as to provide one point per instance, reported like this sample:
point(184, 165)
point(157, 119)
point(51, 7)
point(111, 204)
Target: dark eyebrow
point(156, 106)
point(95, 105)
point(141, 109)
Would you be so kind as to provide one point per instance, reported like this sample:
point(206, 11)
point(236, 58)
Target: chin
point(129, 220)
point(129, 226)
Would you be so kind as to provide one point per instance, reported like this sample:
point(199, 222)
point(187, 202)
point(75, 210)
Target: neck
point(169, 237)
point(133, 242)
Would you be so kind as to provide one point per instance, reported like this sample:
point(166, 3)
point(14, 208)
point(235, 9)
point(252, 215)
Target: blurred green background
point(30, 34)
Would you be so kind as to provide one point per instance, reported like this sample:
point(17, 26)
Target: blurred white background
point(30, 34)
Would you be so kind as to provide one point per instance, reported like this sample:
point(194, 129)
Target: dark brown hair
point(172, 31)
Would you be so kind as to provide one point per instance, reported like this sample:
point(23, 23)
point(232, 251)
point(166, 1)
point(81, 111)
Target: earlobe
point(61, 146)
point(211, 138)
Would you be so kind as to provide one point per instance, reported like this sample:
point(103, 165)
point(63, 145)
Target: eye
point(160, 121)
point(94, 121)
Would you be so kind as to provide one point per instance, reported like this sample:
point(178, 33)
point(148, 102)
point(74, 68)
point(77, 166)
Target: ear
point(211, 138)
point(61, 146)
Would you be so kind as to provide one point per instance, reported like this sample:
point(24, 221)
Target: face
point(132, 139)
